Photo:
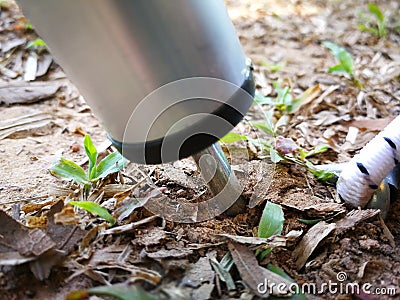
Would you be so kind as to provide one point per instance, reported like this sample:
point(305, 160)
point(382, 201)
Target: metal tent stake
point(217, 173)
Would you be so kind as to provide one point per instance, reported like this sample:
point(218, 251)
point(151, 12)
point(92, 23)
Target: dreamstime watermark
point(330, 287)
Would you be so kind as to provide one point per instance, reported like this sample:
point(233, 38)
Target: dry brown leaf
point(199, 273)
point(271, 242)
point(36, 222)
point(17, 92)
point(310, 241)
point(15, 236)
point(353, 218)
point(34, 207)
point(371, 124)
point(66, 216)
point(129, 227)
point(171, 253)
point(13, 258)
point(66, 236)
point(203, 292)
point(376, 265)
point(256, 276)
point(151, 237)
point(319, 210)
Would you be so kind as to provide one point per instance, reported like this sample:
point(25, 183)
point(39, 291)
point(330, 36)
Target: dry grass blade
point(129, 227)
point(24, 123)
point(271, 242)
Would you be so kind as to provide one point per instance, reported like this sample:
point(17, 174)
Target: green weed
point(38, 43)
point(68, 169)
point(345, 62)
point(374, 22)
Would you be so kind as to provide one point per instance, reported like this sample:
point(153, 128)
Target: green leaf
point(95, 209)
point(338, 69)
point(110, 164)
point(36, 43)
point(280, 272)
point(260, 99)
point(271, 222)
point(375, 10)
point(264, 126)
point(273, 67)
point(118, 291)
point(92, 154)
point(346, 60)
point(309, 222)
point(232, 137)
point(275, 156)
point(335, 49)
point(343, 56)
point(69, 170)
point(369, 29)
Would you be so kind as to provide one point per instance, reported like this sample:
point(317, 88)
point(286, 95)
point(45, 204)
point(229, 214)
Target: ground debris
point(27, 92)
point(254, 275)
point(43, 249)
point(310, 242)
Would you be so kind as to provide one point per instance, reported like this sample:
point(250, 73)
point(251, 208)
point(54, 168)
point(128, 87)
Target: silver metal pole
point(217, 173)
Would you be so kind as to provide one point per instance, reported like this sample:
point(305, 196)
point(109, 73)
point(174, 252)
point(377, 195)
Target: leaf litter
point(145, 256)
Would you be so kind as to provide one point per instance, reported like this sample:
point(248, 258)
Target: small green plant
point(70, 170)
point(271, 223)
point(273, 67)
point(284, 101)
point(38, 43)
point(375, 22)
point(345, 64)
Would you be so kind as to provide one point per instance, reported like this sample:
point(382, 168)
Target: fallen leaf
point(129, 227)
point(353, 218)
point(255, 276)
point(31, 67)
point(66, 216)
point(310, 241)
point(203, 292)
point(27, 123)
point(150, 237)
point(271, 242)
point(171, 253)
point(44, 64)
point(199, 273)
point(36, 222)
point(13, 258)
point(17, 92)
point(9, 44)
point(17, 237)
point(371, 265)
point(34, 207)
point(371, 124)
